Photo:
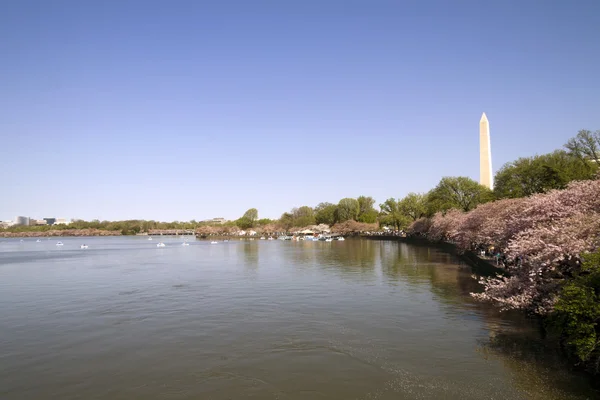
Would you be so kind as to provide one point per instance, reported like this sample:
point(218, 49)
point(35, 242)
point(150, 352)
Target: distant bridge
point(171, 232)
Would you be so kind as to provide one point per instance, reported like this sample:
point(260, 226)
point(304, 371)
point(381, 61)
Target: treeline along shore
point(60, 233)
point(540, 224)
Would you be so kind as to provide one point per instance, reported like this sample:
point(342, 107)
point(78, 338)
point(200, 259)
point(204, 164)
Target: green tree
point(391, 215)
point(539, 174)
point(251, 215)
point(244, 223)
point(248, 220)
point(347, 209)
point(366, 212)
point(303, 216)
point(325, 213)
point(286, 220)
point(413, 205)
point(576, 314)
point(457, 192)
point(585, 146)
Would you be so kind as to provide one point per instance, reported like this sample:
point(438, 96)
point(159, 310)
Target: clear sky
point(180, 110)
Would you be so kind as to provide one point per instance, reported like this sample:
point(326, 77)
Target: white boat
point(213, 242)
point(150, 238)
point(329, 240)
point(262, 238)
point(270, 238)
point(84, 246)
point(185, 244)
point(341, 239)
point(59, 243)
point(161, 244)
point(21, 240)
point(38, 241)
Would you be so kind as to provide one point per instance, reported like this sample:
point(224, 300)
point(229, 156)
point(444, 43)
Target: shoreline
point(480, 265)
point(60, 233)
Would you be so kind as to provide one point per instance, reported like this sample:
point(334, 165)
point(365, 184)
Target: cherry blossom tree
point(542, 237)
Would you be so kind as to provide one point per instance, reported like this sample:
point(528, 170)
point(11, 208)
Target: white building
point(21, 221)
point(61, 221)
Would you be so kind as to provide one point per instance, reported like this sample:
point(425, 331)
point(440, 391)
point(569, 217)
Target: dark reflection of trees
point(250, 251)
point(300, 253)
point(537, 366)
point(348, 258)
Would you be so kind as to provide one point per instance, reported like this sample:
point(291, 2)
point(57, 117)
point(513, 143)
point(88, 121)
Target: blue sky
point(180, 110)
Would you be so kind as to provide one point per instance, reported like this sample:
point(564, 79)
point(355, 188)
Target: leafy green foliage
point(244, 223)
point(251, 215)
point(585, 146)
point(366, 212)
point(303, 216)
point(414, 206)
point(347, 209)
point(577, 312)
point(459, 192)
point(392, 215)
point(325, 213)
point(248, 220)
point(540, 174)
point(286, 220)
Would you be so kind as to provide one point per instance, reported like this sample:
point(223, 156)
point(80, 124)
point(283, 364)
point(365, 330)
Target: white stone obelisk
point(485, 154)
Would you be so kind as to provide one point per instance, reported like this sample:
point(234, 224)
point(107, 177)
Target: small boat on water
point(150, 238)
point(21, 240)
point(213, 242)
point(185, 244)
point(262, 238)
point(341, 239)
point(270, 238)
point(329, 239)
point(59, 243)
point(83, 246)
point(38, 241)
point(161, 244)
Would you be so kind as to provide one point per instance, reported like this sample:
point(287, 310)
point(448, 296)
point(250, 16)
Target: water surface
point(358, 319)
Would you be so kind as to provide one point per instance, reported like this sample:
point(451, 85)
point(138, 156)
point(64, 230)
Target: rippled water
point(259, 319)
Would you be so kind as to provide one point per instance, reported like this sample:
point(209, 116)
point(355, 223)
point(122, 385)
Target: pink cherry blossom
point(542, 238)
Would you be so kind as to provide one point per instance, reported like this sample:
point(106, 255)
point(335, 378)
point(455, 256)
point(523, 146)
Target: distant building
point(38, 222)
point(21, 221)
point(61, 221)
point(6, 224)
point(50, 221)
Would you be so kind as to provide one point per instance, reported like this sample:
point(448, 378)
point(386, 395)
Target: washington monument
point(485, 154)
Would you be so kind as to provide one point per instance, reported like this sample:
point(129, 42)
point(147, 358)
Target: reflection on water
point(260, 319)
point(250, 252)
point(536, 367)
